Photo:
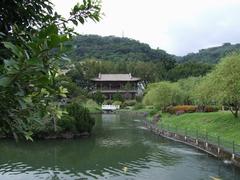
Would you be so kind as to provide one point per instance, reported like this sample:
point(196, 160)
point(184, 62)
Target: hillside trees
point(116, 49)
point(211, 55)
point(185, 70)
point(149, 72)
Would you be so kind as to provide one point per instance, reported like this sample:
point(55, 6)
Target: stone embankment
point(203, 145)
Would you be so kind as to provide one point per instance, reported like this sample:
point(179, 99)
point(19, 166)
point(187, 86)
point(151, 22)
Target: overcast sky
point(176, 26)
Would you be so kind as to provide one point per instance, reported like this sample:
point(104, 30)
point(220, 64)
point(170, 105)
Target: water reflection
point(119, 148)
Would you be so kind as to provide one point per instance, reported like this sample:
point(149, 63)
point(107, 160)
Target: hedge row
point(180, 109)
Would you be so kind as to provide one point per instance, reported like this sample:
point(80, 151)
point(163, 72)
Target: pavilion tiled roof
point(115, 77)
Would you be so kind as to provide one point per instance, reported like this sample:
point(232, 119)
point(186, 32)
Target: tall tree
point(223, 84)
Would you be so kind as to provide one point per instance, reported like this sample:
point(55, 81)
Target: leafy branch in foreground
point(29, 92)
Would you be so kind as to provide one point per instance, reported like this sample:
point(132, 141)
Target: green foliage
point(117, 103)
point(185, 70)
point(108, 102)
point(33, 41)
point(187, 86)
point(93, 46)
point(163, 94)
point(118, 97)
point(67, 123)
point(129, 103)
point(221, 124)
point(91, 103)
point(83, 121)
point(98, 97)
point(29, 78)
point(153, 111)
point(148, 71)
point(138, 106)
point(73, 89)
point(211, 55)
point(222, 85)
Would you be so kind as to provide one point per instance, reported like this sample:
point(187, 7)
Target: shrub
point(181, 108)
point(138, 106)
point(67, 123)
point(98, 97)
point(83, 121)
point(180, 112)
point(211, 108)
point(139, 98)
point(118, 97)
point(117, 103)
point(108, 102)
point(91, 103)
point(129, 103)
point(153, 112)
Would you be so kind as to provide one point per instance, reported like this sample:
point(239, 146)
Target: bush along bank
point(75, 122)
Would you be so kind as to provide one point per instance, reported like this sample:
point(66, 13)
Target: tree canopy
point(116, 48)
point(163, 94)
point(222, 85)
point(210, 55)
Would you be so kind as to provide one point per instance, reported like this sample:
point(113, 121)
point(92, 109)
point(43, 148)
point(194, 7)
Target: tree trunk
point(236, 113)
point(235, 110)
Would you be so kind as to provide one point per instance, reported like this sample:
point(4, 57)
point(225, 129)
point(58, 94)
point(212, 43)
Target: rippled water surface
point(120, 148)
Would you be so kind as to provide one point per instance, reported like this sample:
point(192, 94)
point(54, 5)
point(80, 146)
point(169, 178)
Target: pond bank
point(199, 143)
point(222, 124)
point(47, 136)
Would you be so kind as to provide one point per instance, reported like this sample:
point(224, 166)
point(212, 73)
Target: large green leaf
point(13, 48)
point(5, 81)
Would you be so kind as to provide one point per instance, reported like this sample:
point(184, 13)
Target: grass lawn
point(221, 124)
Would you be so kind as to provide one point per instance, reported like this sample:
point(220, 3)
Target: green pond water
point(120, 148)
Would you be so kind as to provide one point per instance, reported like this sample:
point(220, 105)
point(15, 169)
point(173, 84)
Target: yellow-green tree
point(222, 85)
point(163, 94)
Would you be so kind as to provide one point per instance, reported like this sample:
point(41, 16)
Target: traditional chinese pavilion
point(109, 84)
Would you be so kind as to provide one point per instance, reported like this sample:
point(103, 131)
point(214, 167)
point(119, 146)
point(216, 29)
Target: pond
point(120, 148)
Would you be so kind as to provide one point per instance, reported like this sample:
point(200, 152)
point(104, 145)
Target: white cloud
point(176, 26)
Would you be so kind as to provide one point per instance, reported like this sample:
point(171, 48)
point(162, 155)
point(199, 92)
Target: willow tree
point(163, 94)
point(222, 85)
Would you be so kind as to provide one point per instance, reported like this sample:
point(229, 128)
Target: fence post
point(185, 134)
point(233, 147)
point(218, 144)
point(197, 136)
point(206, 139)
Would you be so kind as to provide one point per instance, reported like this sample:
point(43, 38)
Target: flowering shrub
point(181, 108)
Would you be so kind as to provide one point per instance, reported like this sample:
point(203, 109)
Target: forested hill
point(210, 55)
point(116, 48)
